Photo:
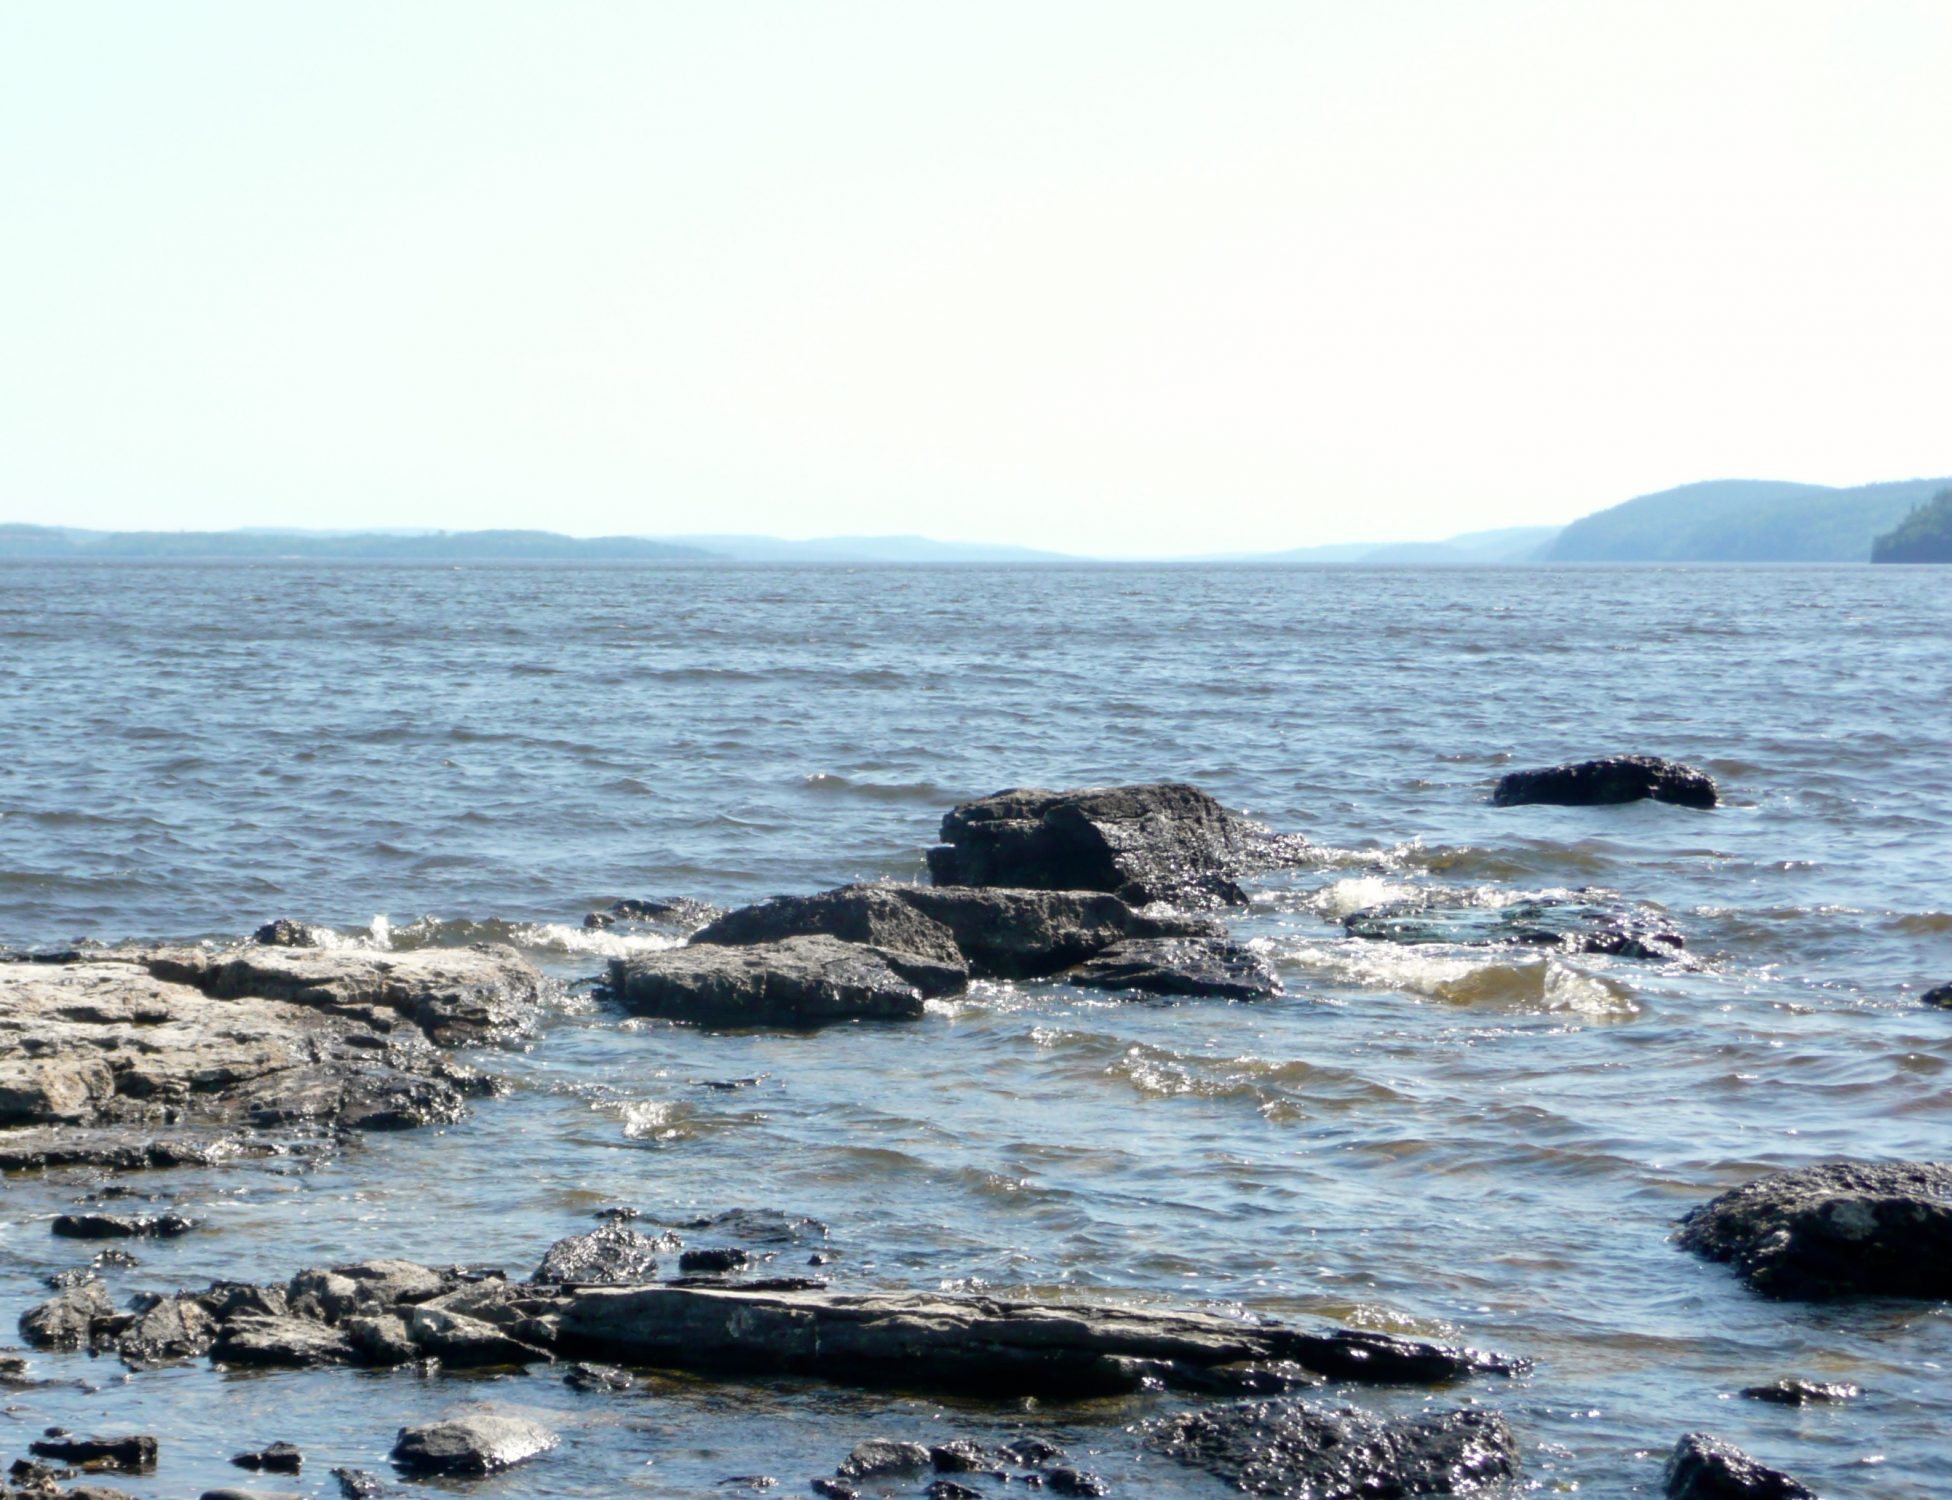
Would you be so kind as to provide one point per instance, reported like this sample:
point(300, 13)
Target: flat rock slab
point(472, 1444)
point(799, 981)
point(1210, 968)
point(1881, 1229)
point(1613, 779)
point(1164, 841)
point(220, 1048)
point(973, 1344)
point(1294, 1448)
point(1706, 1468)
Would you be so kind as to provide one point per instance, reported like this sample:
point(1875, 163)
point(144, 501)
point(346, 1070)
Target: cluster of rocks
point(153, 1057)
point(1028, 885)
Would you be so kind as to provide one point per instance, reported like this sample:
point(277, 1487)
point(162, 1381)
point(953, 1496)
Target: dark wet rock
point(1032, 1452)
point(1293, 1448)
point(800, 981)
point(1075, 1482)
point(1797, 1392)
point(120, 1226)
point(1032, 934)
point(598, 1378)
point(357, 1484)
point(963, 1343)
point(960, 1456)
point(67, 1321)
point(273, 1458)
point(1211, 968)
point(1583, 921)
point(880, 1457)
point(1615, 778)
point(612, 1255)
point(875, 916)
point(285, 933)
point(132, 1455)
point(473, 1443)
point(295, 1343)
point(1941, 997)
point(749, 1482)
point(713, 1260)
point(834, 1489)
point(761, 1226)
point(948, 1489)
point(1706, 1468)
point(1881, 1229)
point(679, 912)
point(1160, 842)
point(231, 1492)
point(227, 1299)
point(220, 1049)
point(169, 1328)
point(618, 1212)
point(90, 1492)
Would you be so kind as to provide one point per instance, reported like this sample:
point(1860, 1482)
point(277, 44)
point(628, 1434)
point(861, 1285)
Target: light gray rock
point(879, 1458)
point(295, 1343)
point(974, 1344)
point(472, 1443)
point(800, 981)
point(461, 1341)
point(67, 1319)
point(171, 1328)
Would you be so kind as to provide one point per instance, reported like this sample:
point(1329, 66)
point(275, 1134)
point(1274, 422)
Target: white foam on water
point(1516, 986)
point(1357, 893)
point(602, 942)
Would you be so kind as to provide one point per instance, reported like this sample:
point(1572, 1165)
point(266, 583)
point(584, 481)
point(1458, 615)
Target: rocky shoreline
point(132, 1059)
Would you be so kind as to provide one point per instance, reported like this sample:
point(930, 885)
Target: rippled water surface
point(1476, 1144)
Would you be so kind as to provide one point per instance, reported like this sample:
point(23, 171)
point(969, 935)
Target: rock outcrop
point(1295, 1448)
point(800, 981)
point(148, 1057)
point(1615, 778)
point(1706, 1468)
point(1882, 1229)
point(1165, 841)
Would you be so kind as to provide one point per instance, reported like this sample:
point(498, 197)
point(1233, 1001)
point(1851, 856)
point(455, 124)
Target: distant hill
point(1743, 520)
point(54, 542)
point(1510, 544)
point(886, 549)
point(1924, 536)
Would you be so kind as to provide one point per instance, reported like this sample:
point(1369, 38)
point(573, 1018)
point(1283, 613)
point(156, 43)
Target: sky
point(1122, 278)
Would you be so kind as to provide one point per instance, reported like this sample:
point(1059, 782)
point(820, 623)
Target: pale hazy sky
point(1126, 277)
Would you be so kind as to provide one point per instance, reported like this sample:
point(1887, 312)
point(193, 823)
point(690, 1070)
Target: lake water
point(1473, 1144)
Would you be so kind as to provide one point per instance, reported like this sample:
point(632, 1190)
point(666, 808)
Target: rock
point(1291, 1447)
point(1576, 922)
point(1881, 1229)
point(762, 1226)
point(612, 1255)
point(1075, 1482)
point(67, 1321)
point(227, 1299)
point(471, 1444)
point(90, 1492)
point(230, 1492)
point(1161, 842)
point(917, 947)
point(1032, 1452)
point(800, 981)
point(679, 912)
point(1796, 1392)
point(275, 1458)
point(965, 1343)
point(1616, 778)
point(948, 1489)
point(880, 1457)
point(713, 1261)
point(285, 933)
point(120, 1226)
point(598, 1378)
point(170, 1328)
point(834, 1489)
point(224, 1049)
point(295, 1343)
point(1706, 1468)
point(461, 1341)
point(1941, 997)
point(960, 1456)
point(1211, 968)
point(133, 1455)
point(381, 1339)
point(357, 1484)
point(1031, 934)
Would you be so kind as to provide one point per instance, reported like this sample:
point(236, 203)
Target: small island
point(1924, 536)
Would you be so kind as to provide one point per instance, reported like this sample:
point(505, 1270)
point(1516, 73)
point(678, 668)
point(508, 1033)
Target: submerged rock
point(1616, 778)
point(1583, 921)
point(134, 1455)
point(285, 933)
point(1213, 968)
point(1706, 1468)
point(965, 1343)
point(119, 1226)
point(612, 1255)
point(799, 981)
point(1165, 841)
point(275, 1458)
point(1881, 1229)
point(1798, 1392)
point(475, 1443)
point(713, 1260)
point(1941, 997)
point(1294, 1448)
point(680, 912)
point(878, 1458)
